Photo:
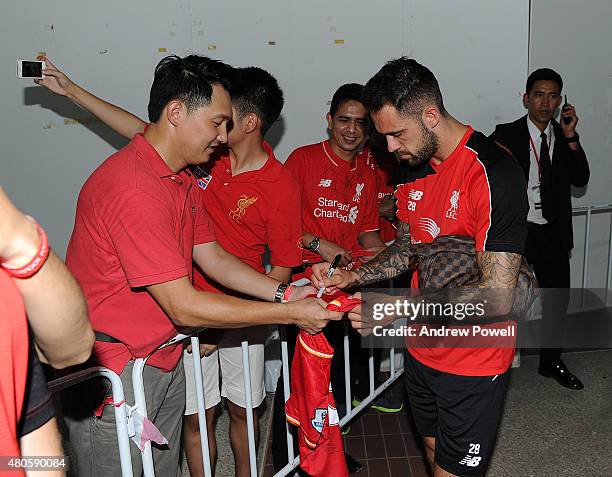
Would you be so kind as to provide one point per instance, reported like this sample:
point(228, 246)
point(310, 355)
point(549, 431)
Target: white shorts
point(228, 358)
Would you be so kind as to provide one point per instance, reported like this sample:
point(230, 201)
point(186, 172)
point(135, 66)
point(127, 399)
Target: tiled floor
point(383, 443)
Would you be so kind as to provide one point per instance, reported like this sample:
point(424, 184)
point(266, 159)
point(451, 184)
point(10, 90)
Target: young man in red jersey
point(468, 186)
point(253, 202)
point(144, 202)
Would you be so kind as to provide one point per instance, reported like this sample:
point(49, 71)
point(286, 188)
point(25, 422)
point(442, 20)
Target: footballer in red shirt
point(467, 186)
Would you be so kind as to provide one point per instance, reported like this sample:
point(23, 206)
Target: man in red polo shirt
point(252, 201)
point(139, 225)
point(467, 186)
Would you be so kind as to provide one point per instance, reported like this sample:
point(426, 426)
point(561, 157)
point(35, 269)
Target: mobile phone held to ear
point(30, 69)
point(566, 120)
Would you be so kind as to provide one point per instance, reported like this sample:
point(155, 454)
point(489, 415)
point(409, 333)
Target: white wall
point(477, 48)
point(574, 38)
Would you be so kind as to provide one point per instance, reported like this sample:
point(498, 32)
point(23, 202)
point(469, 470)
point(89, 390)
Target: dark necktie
point(546, 196)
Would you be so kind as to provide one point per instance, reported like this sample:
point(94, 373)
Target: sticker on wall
point(72, 121)
point(339, 42)
point(162, 50)
point(212, 47)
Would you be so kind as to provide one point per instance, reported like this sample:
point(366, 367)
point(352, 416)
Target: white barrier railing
point(119, 405)
point(589, 212)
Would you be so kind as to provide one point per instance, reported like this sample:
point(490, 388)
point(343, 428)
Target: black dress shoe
point(559, 371)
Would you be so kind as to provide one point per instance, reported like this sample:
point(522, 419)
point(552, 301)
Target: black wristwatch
point(313, 245)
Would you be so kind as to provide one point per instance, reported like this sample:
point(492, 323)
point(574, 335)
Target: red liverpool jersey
point(338, 198)
point(251, 210)
point(477, 191)
point(311, 407)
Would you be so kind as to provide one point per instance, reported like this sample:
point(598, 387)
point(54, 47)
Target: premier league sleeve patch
point(203, 178)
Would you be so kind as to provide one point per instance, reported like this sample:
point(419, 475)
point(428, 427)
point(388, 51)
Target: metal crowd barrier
point(589, 212)
point(119, 405)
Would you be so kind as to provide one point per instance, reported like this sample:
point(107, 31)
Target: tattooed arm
point(389, 263)
point(498, 272)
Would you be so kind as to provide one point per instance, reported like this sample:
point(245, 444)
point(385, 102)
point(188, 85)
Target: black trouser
point(552, 269)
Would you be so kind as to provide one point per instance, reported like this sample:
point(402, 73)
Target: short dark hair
point(189, 79)
point(543, 74)
point(346, 92)
point(254, 90)
point(404, 84)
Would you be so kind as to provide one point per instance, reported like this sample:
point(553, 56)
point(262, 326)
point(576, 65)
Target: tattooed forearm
point(498, 269)
point(391, 262)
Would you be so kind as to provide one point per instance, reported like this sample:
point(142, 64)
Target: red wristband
point(37, 261)
point(287, 293)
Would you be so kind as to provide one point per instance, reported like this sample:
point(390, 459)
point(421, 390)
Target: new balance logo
point(415, 194)
point(470, 461)
point(429, 226)
point(325, 183)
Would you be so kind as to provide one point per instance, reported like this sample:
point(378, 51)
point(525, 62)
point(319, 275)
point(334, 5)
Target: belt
point(103, 337)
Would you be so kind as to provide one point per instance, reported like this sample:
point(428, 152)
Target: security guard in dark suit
point(552, 158)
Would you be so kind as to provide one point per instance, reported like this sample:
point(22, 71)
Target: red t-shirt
point(14, 368)
point(338, 198)
point(251, 210)
point(136, 224)
point(477, 191)
point(311, 407)
point(383, 167)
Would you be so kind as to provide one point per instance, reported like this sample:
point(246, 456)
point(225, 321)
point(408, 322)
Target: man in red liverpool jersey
point(252, 201)
point(339, 204)
point(467, 186)
point(339, 201)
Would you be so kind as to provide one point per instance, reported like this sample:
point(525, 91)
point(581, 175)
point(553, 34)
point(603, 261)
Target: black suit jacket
point(569, 167)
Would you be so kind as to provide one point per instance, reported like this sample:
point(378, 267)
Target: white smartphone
point(30, 69)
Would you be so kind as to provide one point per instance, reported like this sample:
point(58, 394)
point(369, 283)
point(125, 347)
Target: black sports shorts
point(461, 412)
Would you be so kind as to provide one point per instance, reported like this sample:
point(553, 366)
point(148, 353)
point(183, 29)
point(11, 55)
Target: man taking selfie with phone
point(552, 159)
